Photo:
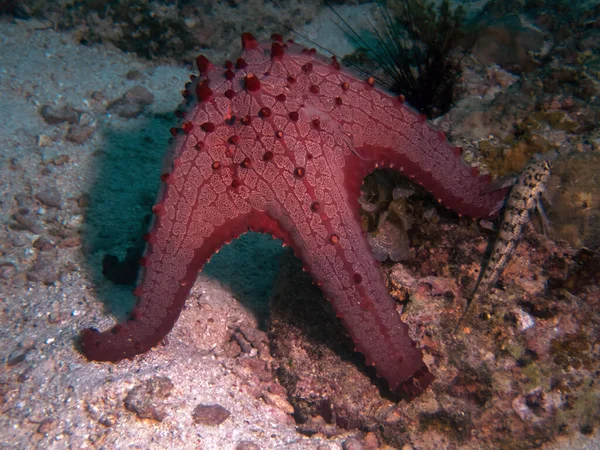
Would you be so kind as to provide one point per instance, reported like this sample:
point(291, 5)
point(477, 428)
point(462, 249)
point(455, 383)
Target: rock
point(352, 444)
point(45, 269)
point(211, 415)
point(80, 133)
point(148, 400)
point(54, 115)
point(26, 221)
point(47, 426)
point(132, 103)
point(246, 445)
point(50, 197)
point(7, 270)
point(17, 357)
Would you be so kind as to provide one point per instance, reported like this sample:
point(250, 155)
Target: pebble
point(47, 426)
point(211, 415)
point(80, 133)
point(50, 197)
point(7, 270)
point(520, 407)
point(147, 400)
point(132, 103)
point(109, 419)
point(27, 222)
point(352, 444)
point(45, 269)
point(135, 75)
point(54, 115)
point(17, 357)
point(23, 200)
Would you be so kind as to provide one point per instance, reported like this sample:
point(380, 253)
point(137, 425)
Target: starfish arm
point(333, 249)
point(171, 264)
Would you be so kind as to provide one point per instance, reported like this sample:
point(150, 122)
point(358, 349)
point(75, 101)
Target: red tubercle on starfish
point(158, 209)
point(264, 112)
point(187, 127)
point(241, 63)
point(246, 163)
point(208, 127)
point(150, 238)
point(166, 178)
point(248, 41)
point(277, 50)
point(252, 82)
point(203, 64)
point(335, 64)
point(203, 92)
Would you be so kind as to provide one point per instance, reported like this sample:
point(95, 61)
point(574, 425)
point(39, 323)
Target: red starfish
point(279, 143)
